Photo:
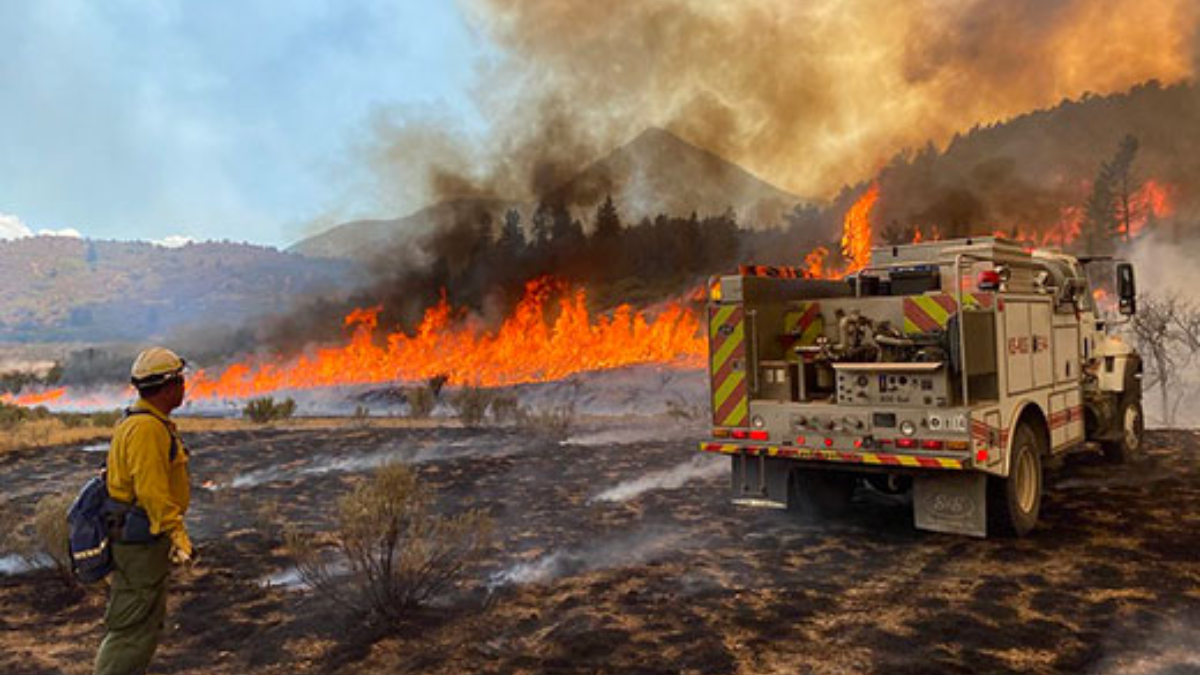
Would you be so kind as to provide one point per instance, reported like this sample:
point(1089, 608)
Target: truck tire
point(824, 494)
point(1014, 502)
point(1128, 445)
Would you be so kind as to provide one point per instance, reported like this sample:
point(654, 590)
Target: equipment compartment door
point(727, 365)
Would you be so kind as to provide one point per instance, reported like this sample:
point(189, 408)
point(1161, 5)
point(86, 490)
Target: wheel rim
point(1026, 481)
point(1133, 428)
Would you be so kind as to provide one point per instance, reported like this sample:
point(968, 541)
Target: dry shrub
point(265, 409)
point(420, 401)
point(8, 533)
point(471, 404)
point(552, 422)
point(504, 408)
point(391, 553)
point(48, 540)
point(268, 520)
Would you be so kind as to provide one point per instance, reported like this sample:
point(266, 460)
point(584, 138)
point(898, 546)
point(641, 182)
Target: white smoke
point(632, 549)
point(699, 467)
point(1170, 649)
point(1165, 269)
point(19, 564)
point(326, 464)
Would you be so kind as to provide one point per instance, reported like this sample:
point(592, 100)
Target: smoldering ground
point(671, 579)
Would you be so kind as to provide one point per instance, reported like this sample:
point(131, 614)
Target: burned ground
point(659, 576)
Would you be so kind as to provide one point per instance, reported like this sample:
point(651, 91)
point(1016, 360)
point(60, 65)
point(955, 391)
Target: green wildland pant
point(137, 607)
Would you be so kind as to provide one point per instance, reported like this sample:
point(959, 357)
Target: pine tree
point(542, 221)
point(607, 221)
point(512, 236)
point(1108, 212)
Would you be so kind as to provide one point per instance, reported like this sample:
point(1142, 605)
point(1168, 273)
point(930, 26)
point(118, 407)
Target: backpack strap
point(130, 412)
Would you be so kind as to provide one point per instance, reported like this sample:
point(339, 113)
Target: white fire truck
point(953, 371)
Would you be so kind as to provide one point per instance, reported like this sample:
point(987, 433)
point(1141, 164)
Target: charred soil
point(661, 576)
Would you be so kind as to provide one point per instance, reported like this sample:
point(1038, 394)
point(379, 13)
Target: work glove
point(180, 556)
point(181, 548)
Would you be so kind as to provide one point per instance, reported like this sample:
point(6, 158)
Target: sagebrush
point(421, 401)
point(47, 542)
point(266, 409)
point(390, 553)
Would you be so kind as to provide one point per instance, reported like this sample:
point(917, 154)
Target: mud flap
point(954, 503)
point(759, 481)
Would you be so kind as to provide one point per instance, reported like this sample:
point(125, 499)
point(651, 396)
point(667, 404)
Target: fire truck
point(950, 372)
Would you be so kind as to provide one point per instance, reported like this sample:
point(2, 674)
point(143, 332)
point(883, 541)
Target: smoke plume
point(808, 95)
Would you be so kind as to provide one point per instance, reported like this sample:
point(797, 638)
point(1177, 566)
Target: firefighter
point(148, 488)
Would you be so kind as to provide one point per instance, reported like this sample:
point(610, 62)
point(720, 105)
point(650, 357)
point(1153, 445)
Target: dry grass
point(53, 432)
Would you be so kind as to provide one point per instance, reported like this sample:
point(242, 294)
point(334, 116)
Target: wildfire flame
point(34, 398)
point(525, 348)
point(856, 240)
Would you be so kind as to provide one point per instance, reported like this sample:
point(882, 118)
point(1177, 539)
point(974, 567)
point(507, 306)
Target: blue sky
point(213, 119)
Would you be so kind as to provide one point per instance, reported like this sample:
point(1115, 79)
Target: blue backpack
point(88, 544)
point(91, 519)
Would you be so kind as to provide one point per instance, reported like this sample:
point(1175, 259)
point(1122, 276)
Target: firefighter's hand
point(181, 548)
point(180, 556)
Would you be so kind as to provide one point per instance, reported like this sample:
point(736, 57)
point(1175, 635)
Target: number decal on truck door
point(727, 367)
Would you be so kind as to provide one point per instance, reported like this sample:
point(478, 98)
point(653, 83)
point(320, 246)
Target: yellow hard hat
point(155, 366)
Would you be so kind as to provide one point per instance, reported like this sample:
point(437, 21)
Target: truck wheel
point(1128, 445)
point(1014, 502)
point(820, 493)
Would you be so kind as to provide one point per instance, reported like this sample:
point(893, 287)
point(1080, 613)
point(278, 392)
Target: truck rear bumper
point(838, 456)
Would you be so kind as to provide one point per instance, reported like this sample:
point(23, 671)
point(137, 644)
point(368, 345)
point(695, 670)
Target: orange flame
point(856, 231)
point(856, 240)
point(1151, 201)
point(34, 398)
point(525, 348)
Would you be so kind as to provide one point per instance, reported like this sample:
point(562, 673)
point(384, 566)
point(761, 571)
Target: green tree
point(607, 221)
point(512, 236)
point(1108, 211)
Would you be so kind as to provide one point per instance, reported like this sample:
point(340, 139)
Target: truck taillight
point(741, 434)
point(759, 435)
point(932, 445)
point(800, 440)
point(720, 433)
point(988, 280)
point(907, 443)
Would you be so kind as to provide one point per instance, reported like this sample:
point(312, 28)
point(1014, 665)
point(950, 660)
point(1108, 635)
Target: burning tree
point(1110, 206)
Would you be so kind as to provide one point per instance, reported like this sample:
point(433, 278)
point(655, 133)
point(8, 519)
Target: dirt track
point(669, 581)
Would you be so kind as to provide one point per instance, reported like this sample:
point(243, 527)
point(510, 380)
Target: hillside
point(658, 172)
point(364, 239)
point(655, 173)
point(61, 288)
point(1028, 172)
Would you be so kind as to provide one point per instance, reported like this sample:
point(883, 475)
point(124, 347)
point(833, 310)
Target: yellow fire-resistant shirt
point(139, 465)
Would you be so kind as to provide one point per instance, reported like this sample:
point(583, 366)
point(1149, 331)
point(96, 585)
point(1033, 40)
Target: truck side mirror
point(1126, 289)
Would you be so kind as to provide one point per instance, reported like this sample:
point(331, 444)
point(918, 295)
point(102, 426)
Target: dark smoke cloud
point(809, 95)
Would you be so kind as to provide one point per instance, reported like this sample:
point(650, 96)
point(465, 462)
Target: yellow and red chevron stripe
point(805, 324)
point(930, 313)
point(873, 458)
point(727, 365)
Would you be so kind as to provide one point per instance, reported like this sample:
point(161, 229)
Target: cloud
point(11, 227)
point(174, 241)
point(64, 232)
